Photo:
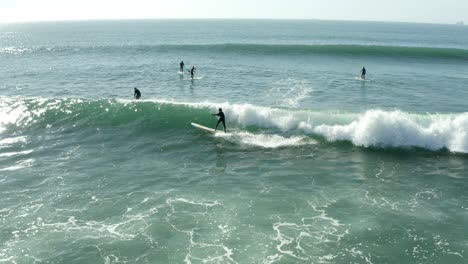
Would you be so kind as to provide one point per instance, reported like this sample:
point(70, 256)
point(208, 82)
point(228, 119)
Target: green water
point(317, 167)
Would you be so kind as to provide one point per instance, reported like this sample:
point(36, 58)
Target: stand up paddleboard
point(195, 78)
point(204, 128)
point(361, 79)
point(181, 72)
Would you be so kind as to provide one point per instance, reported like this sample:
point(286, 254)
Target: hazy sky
point(431, 11)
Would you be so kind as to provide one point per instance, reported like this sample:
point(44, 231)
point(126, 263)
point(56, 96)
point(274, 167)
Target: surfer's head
point(220, 110)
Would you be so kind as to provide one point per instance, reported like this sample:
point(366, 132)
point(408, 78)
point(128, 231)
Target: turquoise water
point(317, 167)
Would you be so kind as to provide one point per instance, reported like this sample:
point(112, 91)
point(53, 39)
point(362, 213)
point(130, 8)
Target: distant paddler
point(181, 67)
point(192, 72)
point(363, 73)
point(137, 93)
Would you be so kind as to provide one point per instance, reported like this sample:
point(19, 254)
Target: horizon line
point(455, 23)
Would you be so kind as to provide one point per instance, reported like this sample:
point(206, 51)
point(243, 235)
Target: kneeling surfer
point(221, 119)
point(137, 93)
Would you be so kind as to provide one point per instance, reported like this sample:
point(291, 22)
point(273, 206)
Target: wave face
point(259, 49)
point(249, 124)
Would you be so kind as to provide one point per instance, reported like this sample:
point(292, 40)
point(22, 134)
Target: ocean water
point(318, 166)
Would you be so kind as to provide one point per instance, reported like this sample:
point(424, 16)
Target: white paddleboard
point(204, 128)
point(361, 79)
point(181, 72)
point(195, 78)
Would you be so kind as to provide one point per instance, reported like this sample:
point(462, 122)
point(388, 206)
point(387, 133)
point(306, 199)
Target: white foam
point(292, 238)
point(292, 91)
point(372, 128)
point(264, 140)
point(399, 129)
point(12, 140)
point(14, 50)
point(11, 115)
point(9, 154)
point(19, 165)
point(14, 111)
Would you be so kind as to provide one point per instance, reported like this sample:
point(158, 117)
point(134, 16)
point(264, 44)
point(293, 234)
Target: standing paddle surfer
point(221, 119)
point(182, 67)
point(192, 72)
point(363, 73)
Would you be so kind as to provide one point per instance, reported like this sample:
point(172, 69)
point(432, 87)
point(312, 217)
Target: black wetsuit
point(192, 72)
point(137, 94)
point(182, 67)
point(363, 73)
point(221, 119)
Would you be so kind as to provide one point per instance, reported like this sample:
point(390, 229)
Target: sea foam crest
point(15, 111)
point(377, 128)
point(398, 129)
point(264, 140)
point(11, 114)
point(14, 50)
